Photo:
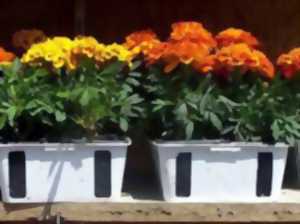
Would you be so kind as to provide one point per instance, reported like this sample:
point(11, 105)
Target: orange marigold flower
point(172, 53)
point(235, 36)
point(6, 56)
point(155, 54)
point(266, 67)
point(192, 31)
point(205, 65)
point(245, 58)
point(289, 63)
point(26, 38)
point(141, 41)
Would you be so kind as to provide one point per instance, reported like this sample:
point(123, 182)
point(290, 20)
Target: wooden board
point(153, 212)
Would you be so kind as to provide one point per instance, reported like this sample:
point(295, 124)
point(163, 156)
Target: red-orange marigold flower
point(6, 56)
point(245, 58)
point(172, 53)
point(192, 31)
point(235, 36)
point(205, 65)
point(289, 63)
point(141, 41)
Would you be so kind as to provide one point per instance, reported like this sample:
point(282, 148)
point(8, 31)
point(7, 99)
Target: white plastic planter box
point(33, 173)
point(196, 171)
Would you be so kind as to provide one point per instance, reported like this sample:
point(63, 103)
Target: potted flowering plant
point(215, 108)
point(288, 64)
point(73, 99)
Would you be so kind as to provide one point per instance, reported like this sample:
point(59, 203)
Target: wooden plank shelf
point(131, 210)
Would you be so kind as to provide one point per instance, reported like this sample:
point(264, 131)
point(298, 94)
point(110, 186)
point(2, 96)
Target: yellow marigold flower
point(26, 38)
point(119, 52)
point(91, 48)
point(56, 51)
point(85, 45)
point(63, 52)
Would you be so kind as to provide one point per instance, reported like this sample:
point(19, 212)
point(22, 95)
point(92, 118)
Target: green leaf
point(88, 95)
point(290, 140)
point(135, 65)
point(275, 130)
point(13, 91)
point(182, 110)
point(30, 105)
point(16, 66)
point(292, 130)
point(11, 113)
point(3, 120)
point(135, 74)
point(84, 99)
point(63, 94)
point(204, 102)
point(60, 116)
point(216, 121)
point(227, 130)
point(123, 124)
point(134, 99)
point(113, 68)
point(189, 129)
point(133, 81)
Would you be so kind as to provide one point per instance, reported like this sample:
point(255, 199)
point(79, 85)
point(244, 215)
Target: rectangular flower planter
point(196, 171)
point(37, 173)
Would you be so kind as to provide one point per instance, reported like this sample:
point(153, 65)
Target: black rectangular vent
point(102, 174)
point(183, 174)
point(264, 174)
point(17, 174)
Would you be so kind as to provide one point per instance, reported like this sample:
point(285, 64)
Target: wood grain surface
point(275, 22)
point(153, 212)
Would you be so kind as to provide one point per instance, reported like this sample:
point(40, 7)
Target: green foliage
point(87, 102)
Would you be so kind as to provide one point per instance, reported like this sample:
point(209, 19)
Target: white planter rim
point(66, 146)
point(216, 144)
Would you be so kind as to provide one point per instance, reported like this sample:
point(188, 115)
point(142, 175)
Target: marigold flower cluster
point(64, 52)
point(192, 31)
point(190, 43)
point(5, 56)
point(237, 50)
point(141, 42)
point(54, 51)
point(236, 36)
point(289, 64)
point(238, 56)
point(26, 38)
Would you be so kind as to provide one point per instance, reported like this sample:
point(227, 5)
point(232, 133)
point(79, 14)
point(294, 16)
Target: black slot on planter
point(183, 174)
point(17, 174)
point(264, 174)
point(102, 174)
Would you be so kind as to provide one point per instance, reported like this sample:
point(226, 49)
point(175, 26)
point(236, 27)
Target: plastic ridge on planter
point(67, 172)
point(196, 171)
